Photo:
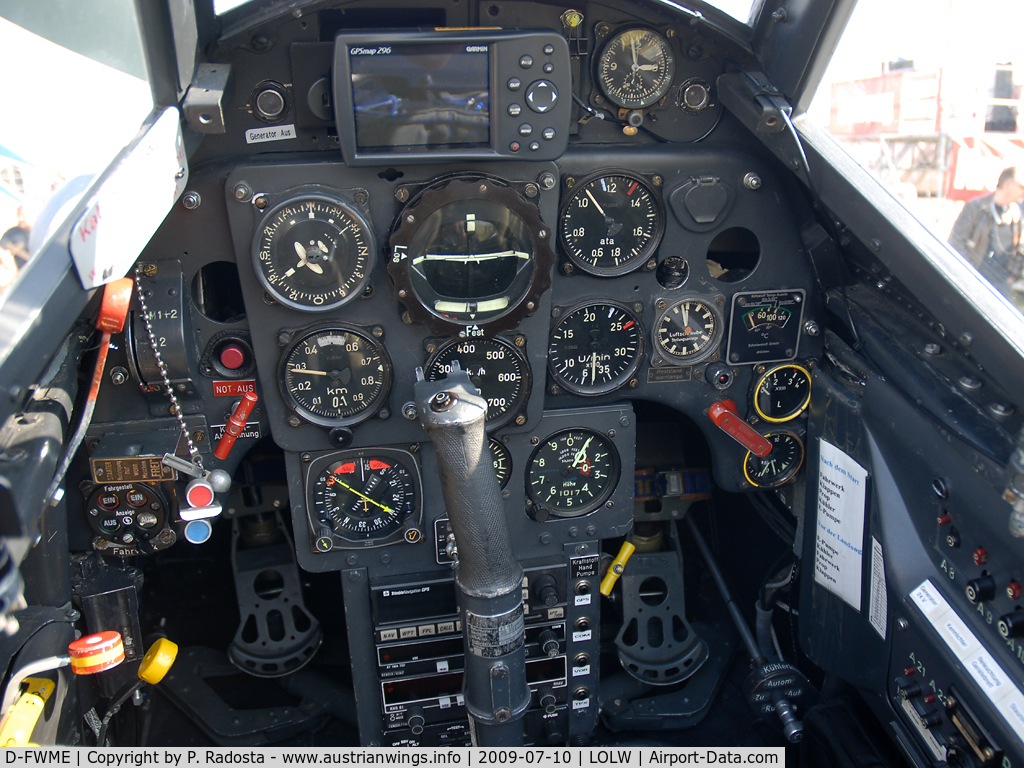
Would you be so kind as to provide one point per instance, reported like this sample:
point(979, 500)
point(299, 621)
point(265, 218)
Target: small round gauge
point(470, 252)
point(572, 472)
point(611, 223)
point(783, 393)
point(364, 498)
point(335, 376)
point(779, 466)
point(313, 253)
point(595, 348)
point(495, 366)
point(636, 68)
point(502, 461)
point(688, 331)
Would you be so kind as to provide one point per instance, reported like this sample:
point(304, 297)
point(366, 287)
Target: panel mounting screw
point(752, 181)
point(191, 200)
point(811, 328)
point(242, 192)
point(780, 15)
point(902, 625)
point(360, 197)
point(409, 411)
point(260, 201)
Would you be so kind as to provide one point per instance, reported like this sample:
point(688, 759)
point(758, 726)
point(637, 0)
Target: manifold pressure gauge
point(779, 466)
point(636, 68)
point(335, 376)
point(611, 223)
point(688, 331)
point(313, 253)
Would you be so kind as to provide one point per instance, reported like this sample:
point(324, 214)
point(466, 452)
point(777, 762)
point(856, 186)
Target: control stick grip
point(452, 414)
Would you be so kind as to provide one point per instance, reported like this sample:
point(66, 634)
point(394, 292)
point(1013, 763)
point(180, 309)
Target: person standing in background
point(988, 232)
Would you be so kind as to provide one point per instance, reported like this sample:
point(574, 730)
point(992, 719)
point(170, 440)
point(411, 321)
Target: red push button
point(1013, 590)
point(199, 493)
point(108, 500)
point(232, 357)
point(136, 498)
point(980, 556)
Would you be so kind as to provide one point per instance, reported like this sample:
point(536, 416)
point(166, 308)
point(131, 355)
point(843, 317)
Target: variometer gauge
point(636, 68)
point(368, 497)
point(611, 223)
point(313, 253)
point(470, 257)
point(571, 473)
point(335, 376)
point(595, 348)
point(782, 393)
point(779, 466)
point(688, 331)
point(495, 366)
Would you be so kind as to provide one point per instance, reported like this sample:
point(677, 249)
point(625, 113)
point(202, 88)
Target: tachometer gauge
point(502, 461)
point(688, 331)
point(363, 498)
point(470, 253)
point(611, 223)
point(572, 472)
point(779, 466)
point(335, 376)
point(636, 68)
point(782, 393)
point(313, 253)
point(495, 366)
point(595, 348)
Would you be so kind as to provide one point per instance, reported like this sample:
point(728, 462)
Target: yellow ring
point(800, 410)
point(803, 455)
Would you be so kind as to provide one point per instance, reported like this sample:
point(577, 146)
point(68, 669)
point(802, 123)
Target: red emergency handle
point(235, 425)
point(724, 416)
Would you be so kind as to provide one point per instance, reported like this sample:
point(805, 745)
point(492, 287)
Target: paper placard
point(839, 545)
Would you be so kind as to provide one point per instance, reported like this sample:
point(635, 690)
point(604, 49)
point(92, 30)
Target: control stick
point(488, 576)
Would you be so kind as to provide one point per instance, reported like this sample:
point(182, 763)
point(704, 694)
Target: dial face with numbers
point(364, 498)
point(495, 366)
point(502, 461)
point(611, 224)
point(779, 466)
point(595, 348)
point(572, 472)
point(335, 376)
point(783, 393)
point(688, 331)
point(313, 253)
point(636, 68)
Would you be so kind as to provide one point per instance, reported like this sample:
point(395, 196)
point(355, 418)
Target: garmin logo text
point(476, 49)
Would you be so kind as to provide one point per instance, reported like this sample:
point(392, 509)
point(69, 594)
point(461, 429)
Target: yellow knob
point(616, 568)
point(158, 660)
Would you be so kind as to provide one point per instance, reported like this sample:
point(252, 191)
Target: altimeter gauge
point(313, 253)
point(571, 473)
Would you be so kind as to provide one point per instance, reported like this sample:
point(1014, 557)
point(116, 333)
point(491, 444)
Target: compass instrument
point(313, 253)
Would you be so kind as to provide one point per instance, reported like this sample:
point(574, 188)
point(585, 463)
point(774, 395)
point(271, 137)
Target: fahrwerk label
point(270, 133)
point(233, 388)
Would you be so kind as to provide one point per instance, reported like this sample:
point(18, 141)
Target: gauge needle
point(593, 373)
point(307, 370)
point(581, 454)
point(596, 204)
point(686, 317)
point(364, 497)
point(634, 54)
point(470, 257)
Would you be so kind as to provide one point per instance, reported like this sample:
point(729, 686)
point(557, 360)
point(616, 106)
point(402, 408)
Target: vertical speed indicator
point(611, 223)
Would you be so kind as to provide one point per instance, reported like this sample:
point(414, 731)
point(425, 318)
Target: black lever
point(489, 577)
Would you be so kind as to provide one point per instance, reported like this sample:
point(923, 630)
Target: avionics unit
point(409, 97)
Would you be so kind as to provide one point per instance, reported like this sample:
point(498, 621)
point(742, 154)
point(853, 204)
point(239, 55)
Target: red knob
point(232, 357)
point(235, 425)
point(980, 556)
point(909, 671)
point(724, 416)
point(944, 520)
point(1013, 590)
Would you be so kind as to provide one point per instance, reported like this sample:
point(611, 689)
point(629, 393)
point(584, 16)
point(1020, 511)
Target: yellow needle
point(364, 496)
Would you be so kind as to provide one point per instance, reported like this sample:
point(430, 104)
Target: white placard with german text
point(839, 545)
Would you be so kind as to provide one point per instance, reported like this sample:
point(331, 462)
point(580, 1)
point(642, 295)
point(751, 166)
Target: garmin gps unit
point(451, 95)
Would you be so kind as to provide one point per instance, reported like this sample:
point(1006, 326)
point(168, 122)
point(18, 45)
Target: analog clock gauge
point(636, 68)
point(313, 253)
point(611, 224)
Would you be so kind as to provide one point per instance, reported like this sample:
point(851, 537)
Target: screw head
point(191, 200)
point(242, 192)
point(752, 181)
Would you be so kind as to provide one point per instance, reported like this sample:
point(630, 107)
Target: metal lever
point(724, 416)
point(489, 577)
